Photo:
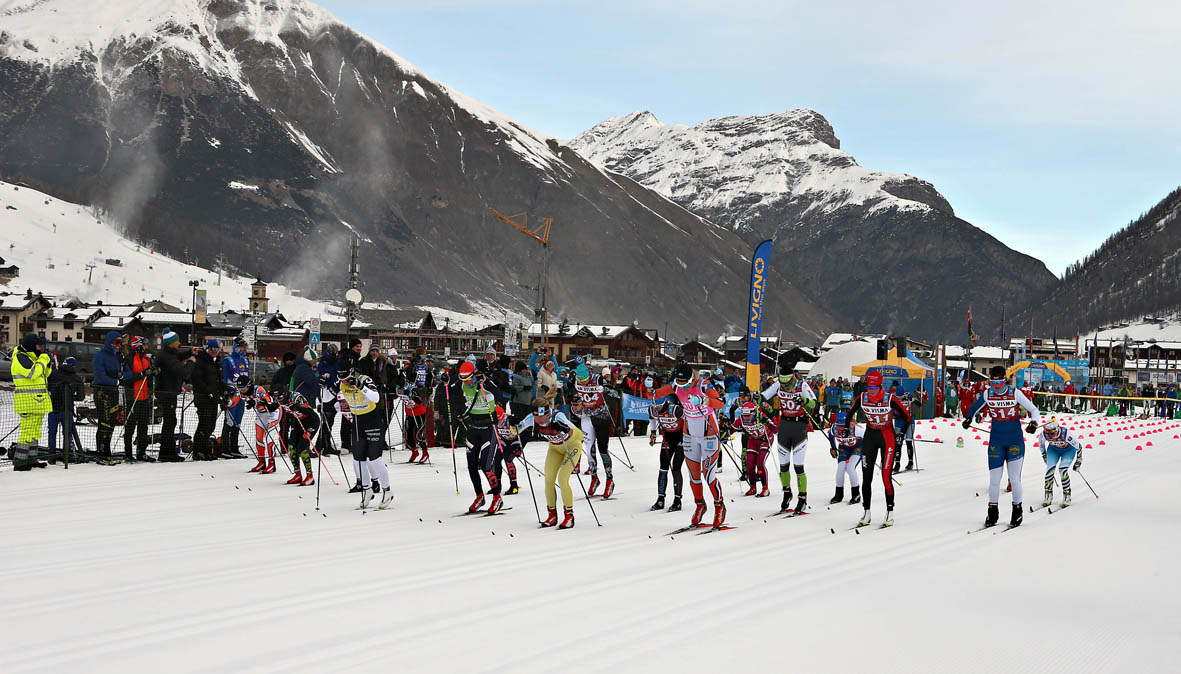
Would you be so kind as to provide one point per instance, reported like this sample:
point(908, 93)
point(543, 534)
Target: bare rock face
point(881, 251)
point(165, 121)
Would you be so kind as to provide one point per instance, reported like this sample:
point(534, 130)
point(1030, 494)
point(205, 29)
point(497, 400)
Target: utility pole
point(352, 296)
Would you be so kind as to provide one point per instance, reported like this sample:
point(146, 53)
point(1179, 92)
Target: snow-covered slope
point(743, 164)
point(200, 567)
point(53, 241)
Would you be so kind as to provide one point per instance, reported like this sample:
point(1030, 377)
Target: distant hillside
point(1136, 272)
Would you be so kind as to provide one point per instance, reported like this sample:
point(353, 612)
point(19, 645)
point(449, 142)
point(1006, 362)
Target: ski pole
point(733, 460)
point(1080, 474)
point(451, 432)
point(580, 484)
point(312, 446)
point(529, 477)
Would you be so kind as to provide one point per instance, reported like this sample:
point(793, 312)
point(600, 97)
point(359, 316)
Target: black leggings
point(483, 455)
point(877, 439)
point(672, 456)
point(511, 451)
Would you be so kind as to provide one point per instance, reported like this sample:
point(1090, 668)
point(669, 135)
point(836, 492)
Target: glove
point(1078, 463)
point(1031, 427)
point(967, 423)
point(833, 451)
point(364, 382)
point(242, 381)
point(250, 403)
point(326, 379)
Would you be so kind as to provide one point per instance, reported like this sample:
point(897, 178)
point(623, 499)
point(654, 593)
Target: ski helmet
point(239, 343)
point(998, 378)
point(575, 399)
point(138, 342)
point(582, 373)
point(467, 370)
point(682, 374)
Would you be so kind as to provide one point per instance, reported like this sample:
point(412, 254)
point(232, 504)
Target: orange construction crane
point(539, 232)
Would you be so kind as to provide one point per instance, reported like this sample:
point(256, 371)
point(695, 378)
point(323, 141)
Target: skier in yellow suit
point(565, 443)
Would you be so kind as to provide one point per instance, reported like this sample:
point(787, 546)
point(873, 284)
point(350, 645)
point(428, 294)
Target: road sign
point(446, 352)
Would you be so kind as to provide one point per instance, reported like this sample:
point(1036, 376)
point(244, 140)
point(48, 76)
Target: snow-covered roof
point(838, 338)
point(165, 317)
point(62, 313)
point(113, 322)
point(598, 331)
point(990, 353)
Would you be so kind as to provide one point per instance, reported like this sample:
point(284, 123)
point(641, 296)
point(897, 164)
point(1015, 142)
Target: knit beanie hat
point(310, 354)
point(170, 337)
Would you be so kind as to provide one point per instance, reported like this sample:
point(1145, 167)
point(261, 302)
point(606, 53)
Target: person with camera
point(174, 367)
point(136, 375)
point(65, 388)
point(207, 394)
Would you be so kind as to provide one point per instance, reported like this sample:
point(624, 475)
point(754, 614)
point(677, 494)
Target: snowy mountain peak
point(736, 169)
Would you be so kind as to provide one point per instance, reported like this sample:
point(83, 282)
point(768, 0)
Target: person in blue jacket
point(235, 375)
point(107, 366)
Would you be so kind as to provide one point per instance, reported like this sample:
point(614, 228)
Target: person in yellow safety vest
point(357, 400)
point(30, 375)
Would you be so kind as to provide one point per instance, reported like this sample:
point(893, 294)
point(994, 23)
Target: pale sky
point(1048, 124)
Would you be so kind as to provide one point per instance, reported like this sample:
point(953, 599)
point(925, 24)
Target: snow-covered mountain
point(267, 133)
point(882, 250)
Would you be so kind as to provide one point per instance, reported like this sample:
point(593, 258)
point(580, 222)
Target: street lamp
point(193, 317)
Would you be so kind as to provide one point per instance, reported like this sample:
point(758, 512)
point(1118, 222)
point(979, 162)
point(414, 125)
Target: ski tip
point(831, 530)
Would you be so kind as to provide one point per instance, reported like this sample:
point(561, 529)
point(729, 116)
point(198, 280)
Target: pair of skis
point(709, 529)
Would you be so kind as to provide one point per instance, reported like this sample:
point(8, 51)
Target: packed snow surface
point(205, 568)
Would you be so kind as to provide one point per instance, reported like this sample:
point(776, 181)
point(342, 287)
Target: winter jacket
point(175, 368)
point(303, 380)
point(281, 382)
point(135, 374)
point(107, 364)
point(522, 384)
point(374, 368)
point(233, 366)
point(206, 375)
point(327, 366)
point(449, 400)
point(61, 378)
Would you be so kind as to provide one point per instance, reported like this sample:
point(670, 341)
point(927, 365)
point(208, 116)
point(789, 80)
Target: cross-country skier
point(301, 428)
point(1006, 444)
point(595, 421)
point(699, 401)
point(796, 400)
point(669, 418)
point(266, 429)
point(565, 442)
point(1060, 448)
point(846, 449)
point(879, 409)
point(479, 417)
point(757, 434)
point(358, 402)
point(510, 444)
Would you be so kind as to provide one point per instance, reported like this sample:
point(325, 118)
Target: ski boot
point(552, 519)
point(297, 478)
point(856, 496)
point(889, 521)
point(1018, 514)
point(1049, 498)
point(424, 457)
point(357, 488)
point(513, 489)
point(676, 506)
point(659, 505)
point(837, 497)
point(593, 486)
point(698, 513)
point(719, 512)
point(128, 457)
point(568, 520)
point(262, 463)
point(413, 456)
point(307, 480)
point(865, 519)
point(387, 497)
point(1065, 497)
point(366, 499)
point(143, 457)
point(496, 504)
point(994, 514)
point(765, 492)
point(269, 469)
point(477, 504)
point(909, 465)
point(802, 504)
point(786, 505)
point(608, 488)
point(752, 491)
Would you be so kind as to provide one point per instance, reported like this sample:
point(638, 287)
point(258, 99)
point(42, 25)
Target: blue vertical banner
point(759, 265)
